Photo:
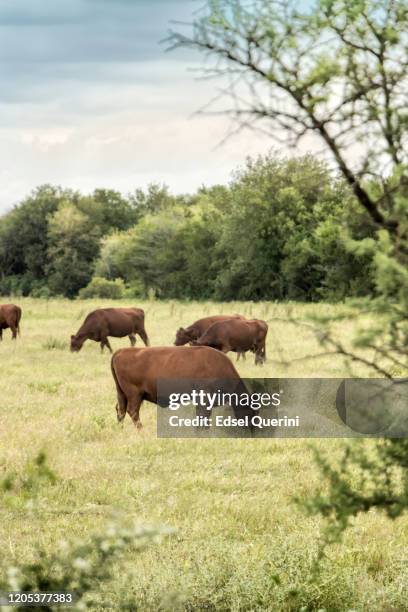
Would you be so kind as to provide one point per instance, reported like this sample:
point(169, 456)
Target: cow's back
point(10, 315)
point(201, 326)
point(119, 317)
point(142, 367)
point(234, 331)
point(110, 321)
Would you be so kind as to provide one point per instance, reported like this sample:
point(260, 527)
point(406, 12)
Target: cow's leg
point(260, 349)
point(105, 342)
point(120, 411)
point(133, 409)
point(14, 332)
point(144, 337)
point(132, 339)
point(259, 356)
point(256, 351)
point(241, 354)
point(1, 334)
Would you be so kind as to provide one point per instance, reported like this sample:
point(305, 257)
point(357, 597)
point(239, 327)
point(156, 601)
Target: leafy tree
point(215, 246)
point(72, 247)
point(155, 199)
point(108, 210)
point(338, 70)
point(149, 253)
point(170, 252)
point(107, 263)
point(281, 237)
point(24, 236)
point(26, 247)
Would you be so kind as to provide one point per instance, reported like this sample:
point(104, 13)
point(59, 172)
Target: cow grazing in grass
point(137, 370)
point(237, 335)
point(115, 322)
point(10, 316)
point(190, 334)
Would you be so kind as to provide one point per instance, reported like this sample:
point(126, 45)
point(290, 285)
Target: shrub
point(102, 288)
point(77, 567)
point(24, 490)
point(82, 566)
point(40, 291)
point(135, 289)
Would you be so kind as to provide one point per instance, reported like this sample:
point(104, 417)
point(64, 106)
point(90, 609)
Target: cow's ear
point(72, 337)
point(181, 329)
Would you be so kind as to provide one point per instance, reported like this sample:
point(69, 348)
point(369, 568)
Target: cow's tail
point(143, 333)
point(121, 405)
point(18, 321)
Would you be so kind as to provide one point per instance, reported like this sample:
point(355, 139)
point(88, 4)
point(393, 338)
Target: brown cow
point(10, 316)
point(238, 336)
point(136, 372)
point(197, 329)
point(116, 322)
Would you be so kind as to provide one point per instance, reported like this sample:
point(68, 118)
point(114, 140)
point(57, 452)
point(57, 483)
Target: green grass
point(240, 542)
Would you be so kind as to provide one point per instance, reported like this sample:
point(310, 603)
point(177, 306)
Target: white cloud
point(45, 140)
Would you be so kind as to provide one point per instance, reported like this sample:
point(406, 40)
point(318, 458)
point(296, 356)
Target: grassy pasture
point(230, 501)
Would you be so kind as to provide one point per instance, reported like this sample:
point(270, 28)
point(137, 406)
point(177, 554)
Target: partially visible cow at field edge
point(10, 316)
point(237, 335)
point(196, 330)
point(137, 370)
point(115, 322)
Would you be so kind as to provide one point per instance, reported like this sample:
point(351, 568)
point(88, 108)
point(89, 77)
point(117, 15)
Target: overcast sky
point(89, 98)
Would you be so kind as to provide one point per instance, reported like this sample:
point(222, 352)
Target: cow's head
point(182, 337)
point(76, 344)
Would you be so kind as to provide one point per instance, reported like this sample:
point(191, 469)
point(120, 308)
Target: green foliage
point(335, 70)
point(283, 239)
point(109, 210)
point(100, 467)
point(282, 229)
point(102, 288)
point(23, 233)
point(48, 243)
point(273, 234)
point(364, 477)
point(338, 70)
point(78, 567)
point(73, 245)
point(25, 487)
point(155, 199)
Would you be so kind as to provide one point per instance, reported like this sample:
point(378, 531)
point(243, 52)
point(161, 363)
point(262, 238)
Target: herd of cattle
point(136, 371)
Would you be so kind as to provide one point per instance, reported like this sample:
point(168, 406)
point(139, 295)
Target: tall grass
point(240, 542)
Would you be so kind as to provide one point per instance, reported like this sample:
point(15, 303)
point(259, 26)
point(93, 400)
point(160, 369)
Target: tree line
point(282, 229)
